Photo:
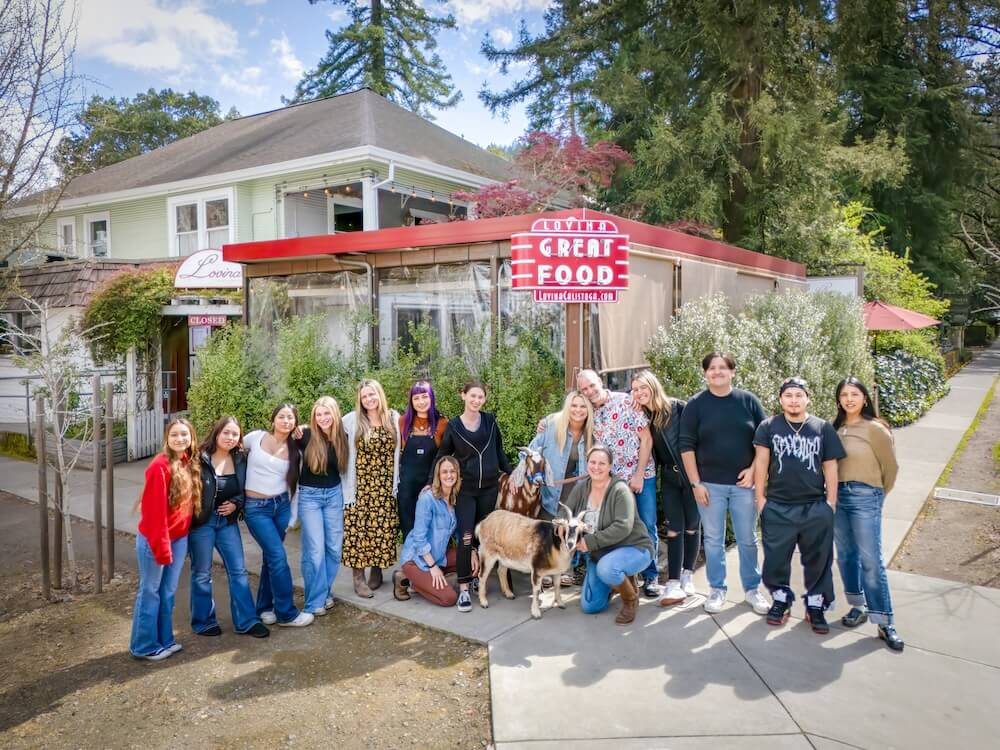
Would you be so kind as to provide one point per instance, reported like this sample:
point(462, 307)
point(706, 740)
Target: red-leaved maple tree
point(550, 171)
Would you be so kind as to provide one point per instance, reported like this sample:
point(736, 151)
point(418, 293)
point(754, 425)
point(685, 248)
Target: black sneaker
point(651, 589)
point(257, 630)
point(888, 634)
point(857, 616)
point(214, 630)
point(817, 619)
point(779, 613)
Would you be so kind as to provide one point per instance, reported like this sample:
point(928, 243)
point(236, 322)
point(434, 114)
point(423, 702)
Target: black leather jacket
point(208, 485)
point(666, 448)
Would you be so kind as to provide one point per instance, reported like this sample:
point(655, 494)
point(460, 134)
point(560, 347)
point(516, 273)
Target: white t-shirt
point(266, 474)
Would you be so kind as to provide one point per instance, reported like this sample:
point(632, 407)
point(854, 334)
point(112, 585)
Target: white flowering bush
point(820, 337)
point(908, 386)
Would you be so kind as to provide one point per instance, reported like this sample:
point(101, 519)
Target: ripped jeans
point(472, 506)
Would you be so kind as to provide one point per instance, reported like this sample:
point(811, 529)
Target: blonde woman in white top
point(371, 519)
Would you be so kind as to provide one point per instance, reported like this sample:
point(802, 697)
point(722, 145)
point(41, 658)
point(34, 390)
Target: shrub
point(908, 386)
point(675, 353)
point(126, 312)
point(305, 368)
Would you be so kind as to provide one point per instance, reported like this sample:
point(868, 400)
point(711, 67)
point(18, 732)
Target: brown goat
point(521, 491)
point(538, 548)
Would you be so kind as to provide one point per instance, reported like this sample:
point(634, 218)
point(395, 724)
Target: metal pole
point(43, 495)
point(109, 494)
point(95, 418)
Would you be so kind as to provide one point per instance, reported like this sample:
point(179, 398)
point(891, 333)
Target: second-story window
point(200, 222)
point(97, 234)
point(66, 231)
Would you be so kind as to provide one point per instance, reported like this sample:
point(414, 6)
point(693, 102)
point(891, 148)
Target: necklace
point(801, 425)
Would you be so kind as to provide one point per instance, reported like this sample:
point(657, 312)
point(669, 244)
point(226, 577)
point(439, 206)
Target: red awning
point(882, 317)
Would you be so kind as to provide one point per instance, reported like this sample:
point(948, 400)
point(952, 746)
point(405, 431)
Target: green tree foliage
point(390, 47)
point(109, 130)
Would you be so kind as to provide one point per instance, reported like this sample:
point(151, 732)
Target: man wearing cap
point(795, 479)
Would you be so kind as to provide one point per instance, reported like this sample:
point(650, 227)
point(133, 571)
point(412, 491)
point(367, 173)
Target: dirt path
point(352, 680)
point(961, 541)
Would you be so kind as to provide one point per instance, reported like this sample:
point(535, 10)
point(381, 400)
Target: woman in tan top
point(865, 476)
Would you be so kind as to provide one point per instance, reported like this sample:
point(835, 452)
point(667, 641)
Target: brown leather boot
point(400, 586)
point(375, 578)
point(360, 587)
point(630, 599)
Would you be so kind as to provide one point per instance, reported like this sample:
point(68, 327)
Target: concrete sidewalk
point(680, 678)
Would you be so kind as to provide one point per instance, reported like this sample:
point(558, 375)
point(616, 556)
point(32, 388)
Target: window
point(20, 333)
point(97, 231)
point(200, 222)
point(66, 235)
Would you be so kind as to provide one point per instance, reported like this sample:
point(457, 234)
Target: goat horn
point(569, 513)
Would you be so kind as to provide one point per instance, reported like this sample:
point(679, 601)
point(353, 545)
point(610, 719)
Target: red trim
point(494, 230)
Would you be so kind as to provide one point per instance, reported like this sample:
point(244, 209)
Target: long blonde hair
point(437, 490)
point(317, 449)
point(185, 470)
point(364, 426)
point(561, 422)
point(660, 405)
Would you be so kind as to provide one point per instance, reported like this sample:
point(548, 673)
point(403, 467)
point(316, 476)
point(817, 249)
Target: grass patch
point(946, 474)
point(16, 445)
point(996, 456)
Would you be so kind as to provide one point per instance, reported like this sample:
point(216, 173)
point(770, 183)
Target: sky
point(248, 53)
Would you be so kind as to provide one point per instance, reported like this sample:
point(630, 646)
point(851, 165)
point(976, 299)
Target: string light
point(326, 191)
point(347, 188)
point(305, 194)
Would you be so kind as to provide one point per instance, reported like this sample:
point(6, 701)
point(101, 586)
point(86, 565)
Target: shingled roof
point(336, 123)
point(68, 283)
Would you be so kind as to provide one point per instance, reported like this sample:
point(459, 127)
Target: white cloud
point(291, 66)
point(503, 36)
point(254, 2)
point(153, 34)
point(245, 83)
point(337, 16)
point(471, 12)
point(481, 70)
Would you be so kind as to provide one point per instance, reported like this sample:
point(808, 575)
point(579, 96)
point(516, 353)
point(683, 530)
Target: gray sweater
point(618, 524)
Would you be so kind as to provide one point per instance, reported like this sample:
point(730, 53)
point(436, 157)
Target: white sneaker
point(160, 655)
point(301, 621)
point(758, 601)
point(672, 593)
point(174, 648)
point(329, 602)
point(321, 612)
point(268, 618)
point(716, 601)
point(687, 582)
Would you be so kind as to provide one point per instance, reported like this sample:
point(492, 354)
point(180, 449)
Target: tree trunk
point(379, 80)
point(63, 510)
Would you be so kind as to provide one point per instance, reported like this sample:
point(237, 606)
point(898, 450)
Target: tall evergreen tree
point(390, 47)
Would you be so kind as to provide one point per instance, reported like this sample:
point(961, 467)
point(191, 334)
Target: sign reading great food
point(571, 259)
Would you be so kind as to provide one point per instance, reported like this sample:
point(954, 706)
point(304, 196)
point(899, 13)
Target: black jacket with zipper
point(666, 443)
point(481, 463)
point(208, 485)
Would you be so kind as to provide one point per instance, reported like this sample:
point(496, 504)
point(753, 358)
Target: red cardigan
point(160, 523)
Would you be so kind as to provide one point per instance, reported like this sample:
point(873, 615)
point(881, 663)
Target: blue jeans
point(267, 519)
point(645, 503)
point(858, 535)
point(321, 511)
point(609, 572)
point(219, 534)
point(153, 614)
point(739, 503)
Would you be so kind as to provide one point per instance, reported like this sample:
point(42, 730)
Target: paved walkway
point(683, 679)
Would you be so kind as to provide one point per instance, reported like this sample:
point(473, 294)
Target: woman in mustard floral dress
point(371, 518)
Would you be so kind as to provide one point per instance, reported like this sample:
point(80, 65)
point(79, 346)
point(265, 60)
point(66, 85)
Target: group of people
point(358, 481)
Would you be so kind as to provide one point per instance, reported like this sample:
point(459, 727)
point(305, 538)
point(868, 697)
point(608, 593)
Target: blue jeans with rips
point(609, 572)
point(321, 511)
point(219, 534)
point(738, 502)
point(858, 535)
point(267, 518)
point(153, 614)
point(645, 504)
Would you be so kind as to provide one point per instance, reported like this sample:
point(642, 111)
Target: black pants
point(406, 497)
point(810, 526)
point(684, 521)
point(473, 506)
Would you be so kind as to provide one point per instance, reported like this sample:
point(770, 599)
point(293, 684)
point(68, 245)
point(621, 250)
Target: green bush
point(908, 386)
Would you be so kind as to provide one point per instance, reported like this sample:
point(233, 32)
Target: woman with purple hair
point(420, 429)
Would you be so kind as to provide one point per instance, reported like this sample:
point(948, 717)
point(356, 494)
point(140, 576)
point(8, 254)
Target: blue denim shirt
point(546, 444)
point(433, 527)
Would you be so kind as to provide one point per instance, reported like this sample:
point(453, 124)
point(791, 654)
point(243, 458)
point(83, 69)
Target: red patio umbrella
point(882, 317)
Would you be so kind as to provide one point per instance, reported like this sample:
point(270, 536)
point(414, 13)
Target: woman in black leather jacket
point(223, 477)
point(679, 506)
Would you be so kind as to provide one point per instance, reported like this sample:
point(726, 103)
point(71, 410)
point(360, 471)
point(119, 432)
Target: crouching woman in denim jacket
point(426, 555)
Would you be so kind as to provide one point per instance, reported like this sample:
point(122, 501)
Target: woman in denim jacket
point(563, 439)
point(427, 556)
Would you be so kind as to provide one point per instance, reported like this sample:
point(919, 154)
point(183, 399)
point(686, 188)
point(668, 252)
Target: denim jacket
point(556, 460)
point(433, 527)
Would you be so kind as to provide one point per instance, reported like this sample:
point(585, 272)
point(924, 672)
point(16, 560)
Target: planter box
point(119, 448)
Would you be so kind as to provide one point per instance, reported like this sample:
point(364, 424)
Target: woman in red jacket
point(171, 495)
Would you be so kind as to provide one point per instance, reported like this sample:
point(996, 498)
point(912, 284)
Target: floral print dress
point(371, 523)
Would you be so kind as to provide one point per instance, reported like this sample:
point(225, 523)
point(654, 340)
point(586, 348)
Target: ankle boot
point(360, 587)
point(630, 598)
point(375, 578)
point(400, 586)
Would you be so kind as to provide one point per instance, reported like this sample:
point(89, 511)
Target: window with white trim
point(97, 234)
point(66, 235)
point(200, 222)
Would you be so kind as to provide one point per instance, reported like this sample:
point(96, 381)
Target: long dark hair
point(433, 415)
point(867, 409)
point(294, 456)
point(208, 444)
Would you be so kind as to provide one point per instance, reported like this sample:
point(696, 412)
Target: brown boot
point(360, 587)
point(630, 598)
point(375, 578)
point(400, 586)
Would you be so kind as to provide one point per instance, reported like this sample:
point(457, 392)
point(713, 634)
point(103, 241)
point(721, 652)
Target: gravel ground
point(352, 680)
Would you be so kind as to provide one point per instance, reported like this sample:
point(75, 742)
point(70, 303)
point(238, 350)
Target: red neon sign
point(572, 259)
